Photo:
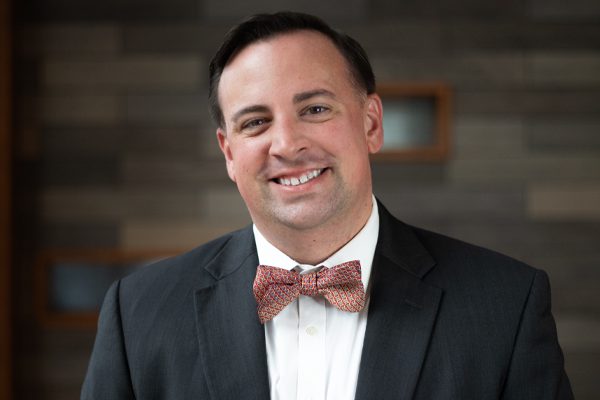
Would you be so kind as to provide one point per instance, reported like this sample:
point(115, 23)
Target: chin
point(301, 219)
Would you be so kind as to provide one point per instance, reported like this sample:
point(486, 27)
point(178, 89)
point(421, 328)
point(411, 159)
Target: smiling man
point(296, 134)
point(326, 295)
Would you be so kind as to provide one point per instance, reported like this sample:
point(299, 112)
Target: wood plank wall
point(5, 185)
point(116, 149)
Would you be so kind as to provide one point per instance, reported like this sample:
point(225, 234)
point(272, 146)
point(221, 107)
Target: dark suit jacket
point(447, 320)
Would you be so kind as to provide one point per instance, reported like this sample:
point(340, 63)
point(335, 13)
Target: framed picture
point(71, 284)
point(416, 122)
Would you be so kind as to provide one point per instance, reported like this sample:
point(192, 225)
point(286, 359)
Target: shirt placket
point(312, 362)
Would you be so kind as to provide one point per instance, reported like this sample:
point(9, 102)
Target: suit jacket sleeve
point(536, 370)
point(108, 372)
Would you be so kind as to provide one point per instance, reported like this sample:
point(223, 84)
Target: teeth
point(295, 181)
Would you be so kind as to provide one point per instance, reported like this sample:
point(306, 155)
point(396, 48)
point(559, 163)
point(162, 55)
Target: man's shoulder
point(451, 264)
point(445, 251)
point(473, 277)
point(447, 248)
point(464, 266)
point(191, 268)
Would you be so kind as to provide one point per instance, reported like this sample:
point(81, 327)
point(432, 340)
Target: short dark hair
point(263, 26)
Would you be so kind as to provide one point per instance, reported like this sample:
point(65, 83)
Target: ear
point(226, 149)
point(374, 123)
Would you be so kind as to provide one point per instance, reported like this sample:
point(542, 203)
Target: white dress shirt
point(314, 349)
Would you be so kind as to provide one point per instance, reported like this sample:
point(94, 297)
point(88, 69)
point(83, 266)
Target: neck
point(313, 246)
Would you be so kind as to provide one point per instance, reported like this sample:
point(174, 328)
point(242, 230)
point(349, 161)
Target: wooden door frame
point(5, 199)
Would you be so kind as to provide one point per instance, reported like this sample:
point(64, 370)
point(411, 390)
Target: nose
point(287, 140)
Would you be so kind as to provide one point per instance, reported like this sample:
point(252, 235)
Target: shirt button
point(312, 331)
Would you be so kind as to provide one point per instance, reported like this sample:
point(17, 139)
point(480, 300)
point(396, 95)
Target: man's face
point(297, 134)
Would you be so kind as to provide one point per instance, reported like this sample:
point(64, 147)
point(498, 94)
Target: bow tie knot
point(308, 284)
point(274, 288)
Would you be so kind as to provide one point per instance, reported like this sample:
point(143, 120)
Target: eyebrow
point(312, 93)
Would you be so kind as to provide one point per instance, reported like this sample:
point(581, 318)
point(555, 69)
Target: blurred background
point(114, 156)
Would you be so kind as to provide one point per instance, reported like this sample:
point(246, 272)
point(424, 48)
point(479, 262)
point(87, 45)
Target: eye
point(317, 109)
point(253, 123)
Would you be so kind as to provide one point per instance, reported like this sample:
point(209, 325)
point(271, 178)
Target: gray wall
point(115, 147)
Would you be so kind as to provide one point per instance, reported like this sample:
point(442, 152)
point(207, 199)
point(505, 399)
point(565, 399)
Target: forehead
point(291, 61)
point(301, 42)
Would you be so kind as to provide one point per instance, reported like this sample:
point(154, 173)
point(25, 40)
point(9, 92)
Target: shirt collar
point(361, 247)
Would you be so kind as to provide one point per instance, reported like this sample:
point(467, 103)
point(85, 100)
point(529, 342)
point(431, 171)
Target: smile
point(299, 180)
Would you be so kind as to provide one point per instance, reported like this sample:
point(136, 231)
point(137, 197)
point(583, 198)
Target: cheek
point(247, 156)
point(350, 139)
point(351, 145)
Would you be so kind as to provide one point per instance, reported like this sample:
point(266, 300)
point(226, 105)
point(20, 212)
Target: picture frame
point(416, 118)
point(71, 283)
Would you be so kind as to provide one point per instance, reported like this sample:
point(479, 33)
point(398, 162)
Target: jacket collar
point(402, 313)
point(231, 338)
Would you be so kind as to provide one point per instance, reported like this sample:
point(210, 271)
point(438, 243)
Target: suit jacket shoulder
point(464, 266)
point(193, 267)
point(452, 320)
point(149, 333)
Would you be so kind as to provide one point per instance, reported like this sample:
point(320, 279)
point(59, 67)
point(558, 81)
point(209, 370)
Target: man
point(351, 302)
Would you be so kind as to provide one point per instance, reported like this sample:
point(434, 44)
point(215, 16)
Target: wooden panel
point(5, 194)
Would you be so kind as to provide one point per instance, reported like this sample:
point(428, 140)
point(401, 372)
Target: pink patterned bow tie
point(275, 288)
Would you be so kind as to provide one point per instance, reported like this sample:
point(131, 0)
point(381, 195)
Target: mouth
point(299, 179)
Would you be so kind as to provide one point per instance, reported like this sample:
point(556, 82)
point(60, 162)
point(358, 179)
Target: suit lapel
point(402, 312)
point(231, 339)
